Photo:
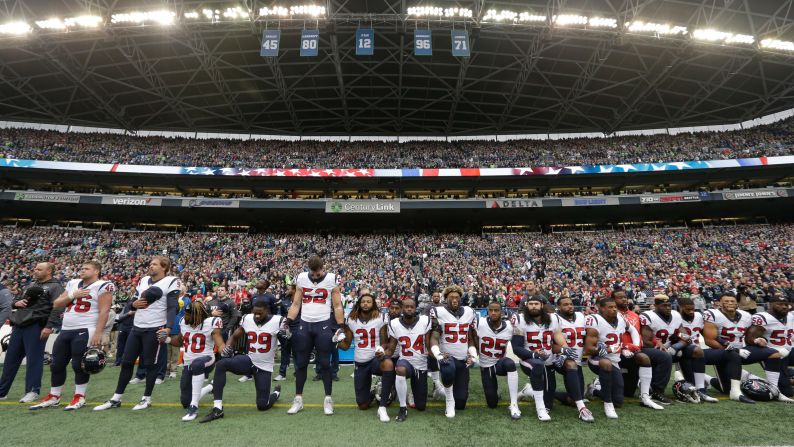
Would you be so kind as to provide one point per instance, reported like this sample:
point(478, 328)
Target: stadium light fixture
point(307, 10)
point(192, 15)
point(160, 17)
point(712, 35)
point(236, 13)
point(530, 18)
point(55, 24)
point(570, 19)
point(662, 29)
point(775, 44)
point(504, 15)
point(434, 11)
point(83, 21)
point(602, 22)
point(275, 11)
point(15, 28)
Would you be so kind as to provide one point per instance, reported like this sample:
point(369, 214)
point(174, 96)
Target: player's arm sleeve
point(54, 319)
point(519, 344)
point(172, 307)
point(635, 336)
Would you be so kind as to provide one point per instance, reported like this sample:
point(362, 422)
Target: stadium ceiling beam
point(340, 81)
point(284, 92)
point(528, 62)
point(464, 66)
point(22, 86)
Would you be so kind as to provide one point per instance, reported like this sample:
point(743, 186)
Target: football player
point(87, 301)
point(368, 327)
point(408, 335)
point(156, 303)
point(536, 335)
point(572, 327)
point(694, 371)
point(432, 363)
point(260, 329)
point(199, 333)
point(451, 346)
point(657, 327)
point(491, 336)
point(774, 329)
point(723, 333)
point(318, 299)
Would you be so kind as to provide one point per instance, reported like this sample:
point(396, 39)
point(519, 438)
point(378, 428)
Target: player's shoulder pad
point(759, 319)
point(107, 287)
point(217, 322)
point(709, 315)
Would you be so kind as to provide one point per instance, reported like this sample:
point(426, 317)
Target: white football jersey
point(493, 344)
point(538, 337)
point(608, 334)
point(197, 340)
point(316, 305)
point(411, 340)
point(729, 331)
point(262, 342)
point(366, 336)
point(694, 328)
point(574, 332)
point(83, 313)
point(662, 329)
point(779, 333)
point(155, 315)
point(454, 339)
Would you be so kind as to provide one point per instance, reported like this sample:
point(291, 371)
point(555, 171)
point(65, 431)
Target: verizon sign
point(131, 201)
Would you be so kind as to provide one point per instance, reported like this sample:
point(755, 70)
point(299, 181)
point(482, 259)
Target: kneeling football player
point(408, 335)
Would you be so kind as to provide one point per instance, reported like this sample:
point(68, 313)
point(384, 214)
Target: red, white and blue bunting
point(405, 172)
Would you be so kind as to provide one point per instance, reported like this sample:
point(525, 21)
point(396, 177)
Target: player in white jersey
point(199, 335)
point(491, 336)
point(261, 330)
point(87, 301)
point(723, 333)
point(408, 335)
point(687, 346)
point(603, 344)
point(772, 331)
point(571, 325)
point(451, 346)
point(156, 304)
point(318, 300)
point(368, 328)
point(659, 329)
point(536, 337)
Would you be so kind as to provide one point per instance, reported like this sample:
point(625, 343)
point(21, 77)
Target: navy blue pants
point(69, 346)
point(120, 342)
point(489, 384)
point(242, 366)
point(286, 353)
point(611, 382)
point(574, 383)
point(662, 367)
point(541, 377)
point(307, 337)
point(728, 365)
point(26, 343)
point(199, 366)
point(362, 381)
point(454, 373)
point(334, 363)
point(160, 367)
point(143, 343)
point(418, 383)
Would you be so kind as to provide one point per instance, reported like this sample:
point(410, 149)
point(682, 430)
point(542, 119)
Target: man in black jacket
point(31, 327)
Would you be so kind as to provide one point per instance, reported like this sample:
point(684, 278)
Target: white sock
point(707, 377)
point(436, 376)
point(401, 385)
point(539, 403)
point(512, 386)
point(206, 390)
point(450, 397)
point(196, 382)
point(147, 398)
point(735, 391)
point(80, 389)
point(218, 404)
point(700, 381)
point(772, 377)
point(579, 404)
point(56, 390)
point(646, 374)
point(116, 397)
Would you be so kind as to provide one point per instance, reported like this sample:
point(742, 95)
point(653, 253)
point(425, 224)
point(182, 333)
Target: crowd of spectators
point(699, 263)
point(769, 140)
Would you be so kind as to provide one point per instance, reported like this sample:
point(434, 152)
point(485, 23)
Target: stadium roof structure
point(205, 74)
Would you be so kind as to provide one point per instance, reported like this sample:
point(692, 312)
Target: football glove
point(734, 346)
point(161, 336)
point(339, 335)
point(603, 351)
point(227, 351)
point(627, 353)
point(631, 347)
point(559, 361)
point(569, 353)
point(283, 330)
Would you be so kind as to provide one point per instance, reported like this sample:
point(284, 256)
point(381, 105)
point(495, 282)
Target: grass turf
point(725, 423)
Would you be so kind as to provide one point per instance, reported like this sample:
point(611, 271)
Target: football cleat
point(78, 402)
point(449, 411)
point(279, 378)
point(609, 411)
point(383, 415)
point(245, 379)
point(525, 393)
point(586, 415)
point(706, 398)
point(661, 398)
point(297, 405)
point(29, 397)
point(543, 415)
point(216, 413)
point(108, 405)
point(159, 381)
point(328, 406)
point(135, 381)
point(192, 412)
point(50, 401)
point(402, 415)
point(784, 399)
point(645, 401)
point(143, 404)
point(515, 413)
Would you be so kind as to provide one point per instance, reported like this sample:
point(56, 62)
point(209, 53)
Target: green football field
point(725, 423)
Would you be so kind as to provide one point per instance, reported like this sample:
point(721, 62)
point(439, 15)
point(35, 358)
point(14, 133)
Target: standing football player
point(773, 330)
point(260, 329)
point(432, 363)
point(408, 335)
point(491, 336)
point(156, 304)
point(452, 348)
point(694, 370)
point(87, 301)
point(199, 333)
point(536, 334)
point(368, 327)
point(318, 299)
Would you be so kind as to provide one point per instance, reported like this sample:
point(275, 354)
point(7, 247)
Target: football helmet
point(759, 390)
point(685, 392)
point(47, 358)
point(93, 361)
point(5, 342)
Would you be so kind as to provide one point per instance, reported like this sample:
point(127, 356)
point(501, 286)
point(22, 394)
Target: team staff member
point(286, 344)
point(32, 324)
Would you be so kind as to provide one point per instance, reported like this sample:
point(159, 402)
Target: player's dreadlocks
point(196, 314)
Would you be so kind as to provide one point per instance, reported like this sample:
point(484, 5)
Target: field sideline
point(725, 423)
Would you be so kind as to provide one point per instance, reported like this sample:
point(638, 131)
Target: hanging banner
point(423, 42)
point(270, 42)
point(460, 43)
point(310, 41)
point(365, 42)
